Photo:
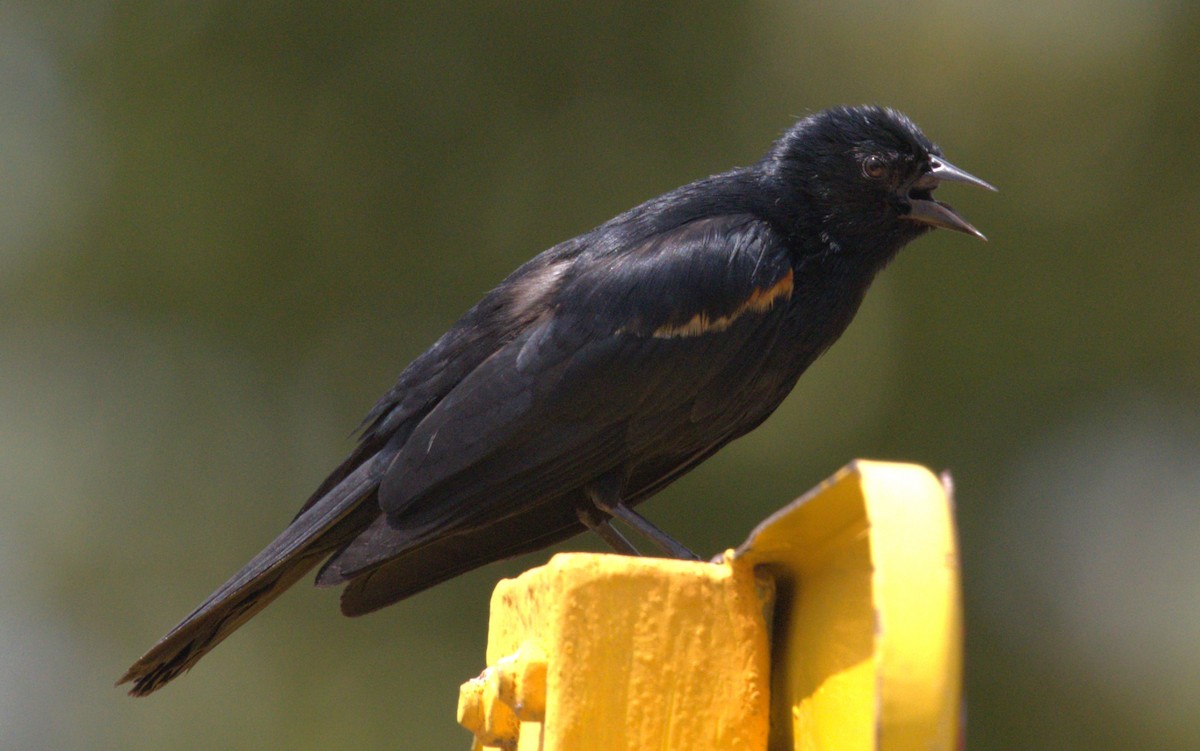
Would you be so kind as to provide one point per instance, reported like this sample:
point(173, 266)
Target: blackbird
point(599, 372)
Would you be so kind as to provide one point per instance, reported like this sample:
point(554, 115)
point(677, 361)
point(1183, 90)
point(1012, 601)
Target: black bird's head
point(866, 176)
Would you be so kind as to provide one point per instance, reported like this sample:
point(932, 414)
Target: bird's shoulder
point(692, 279)
point(688, 263)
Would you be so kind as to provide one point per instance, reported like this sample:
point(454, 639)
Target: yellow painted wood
point(627, 653)
point(868, 648)
point(858, 578)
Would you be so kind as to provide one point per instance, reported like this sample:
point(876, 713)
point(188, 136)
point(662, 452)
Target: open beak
point(922, 207)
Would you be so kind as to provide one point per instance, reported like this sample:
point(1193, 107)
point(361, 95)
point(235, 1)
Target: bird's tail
point(321, 528)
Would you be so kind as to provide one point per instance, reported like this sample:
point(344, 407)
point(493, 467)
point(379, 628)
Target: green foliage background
point(226, 226)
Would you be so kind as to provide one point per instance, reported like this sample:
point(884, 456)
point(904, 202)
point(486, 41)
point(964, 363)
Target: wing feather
point(609, 379)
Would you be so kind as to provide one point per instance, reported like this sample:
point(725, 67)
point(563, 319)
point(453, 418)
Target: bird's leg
point(608, 533)
point(606, 497)
point(652, 532)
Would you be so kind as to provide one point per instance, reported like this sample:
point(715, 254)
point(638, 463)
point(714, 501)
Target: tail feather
point(323, 527)
point(417, 563)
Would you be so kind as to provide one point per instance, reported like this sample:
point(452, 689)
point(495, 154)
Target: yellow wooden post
point(836, 625)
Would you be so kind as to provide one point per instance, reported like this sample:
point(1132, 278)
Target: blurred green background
point(225, 227)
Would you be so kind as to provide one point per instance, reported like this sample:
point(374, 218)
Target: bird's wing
point(344, 506)
point(629, 343)
point(474, 337)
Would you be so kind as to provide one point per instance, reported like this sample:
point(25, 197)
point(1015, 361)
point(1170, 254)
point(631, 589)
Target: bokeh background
point(226, 226)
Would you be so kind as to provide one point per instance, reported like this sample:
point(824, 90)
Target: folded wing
point(618, 375)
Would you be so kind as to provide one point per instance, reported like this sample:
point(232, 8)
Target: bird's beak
point(935, 213)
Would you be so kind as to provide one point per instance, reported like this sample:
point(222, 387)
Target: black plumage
point(601, 370)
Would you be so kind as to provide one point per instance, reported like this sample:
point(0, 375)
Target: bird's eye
point(873, 167)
